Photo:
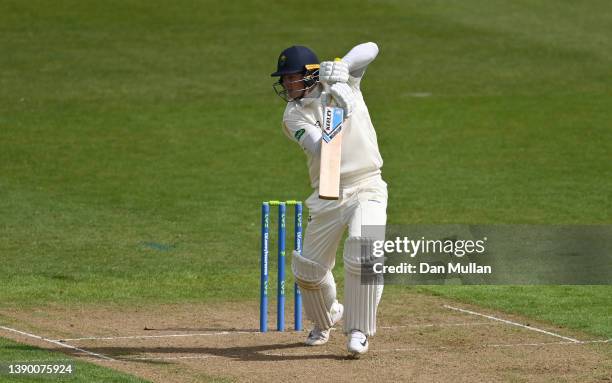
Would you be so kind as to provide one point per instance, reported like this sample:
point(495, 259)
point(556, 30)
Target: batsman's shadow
point(256, 353)
point(201, 329)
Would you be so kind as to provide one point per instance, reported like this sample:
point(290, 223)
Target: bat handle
point(329, 101)
point(326, 87)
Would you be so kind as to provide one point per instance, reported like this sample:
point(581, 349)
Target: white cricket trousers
point(361, 204)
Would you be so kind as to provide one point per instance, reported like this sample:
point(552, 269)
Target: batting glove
point(333, 71)
point(344, 97)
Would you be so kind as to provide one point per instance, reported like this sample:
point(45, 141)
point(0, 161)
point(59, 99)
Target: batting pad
point(318, 290)
point(360, 299)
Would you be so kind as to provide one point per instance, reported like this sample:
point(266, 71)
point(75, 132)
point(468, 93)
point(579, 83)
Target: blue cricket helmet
point(296, 59)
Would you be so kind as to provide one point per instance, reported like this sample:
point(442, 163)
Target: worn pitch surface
point(419, 337)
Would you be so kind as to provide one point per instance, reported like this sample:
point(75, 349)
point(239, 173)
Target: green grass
point(583, 308)
point(137, 139)
point(82, 372)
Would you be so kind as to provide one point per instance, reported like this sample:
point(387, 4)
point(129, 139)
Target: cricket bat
point(331, 150)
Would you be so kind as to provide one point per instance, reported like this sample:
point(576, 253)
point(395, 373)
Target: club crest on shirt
point(299, 134)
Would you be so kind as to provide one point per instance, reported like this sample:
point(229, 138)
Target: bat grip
point(326, 88)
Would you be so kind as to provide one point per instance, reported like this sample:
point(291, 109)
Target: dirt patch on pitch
point(419, 339)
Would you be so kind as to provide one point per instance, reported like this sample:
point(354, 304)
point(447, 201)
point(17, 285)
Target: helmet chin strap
point(283, 92)
point(312, 94)
point(306, 92)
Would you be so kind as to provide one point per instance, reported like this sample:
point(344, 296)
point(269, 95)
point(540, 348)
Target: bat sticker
point(332, 122)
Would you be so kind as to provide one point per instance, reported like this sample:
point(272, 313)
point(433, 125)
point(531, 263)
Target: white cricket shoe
point(316, 336)
point(357, 343)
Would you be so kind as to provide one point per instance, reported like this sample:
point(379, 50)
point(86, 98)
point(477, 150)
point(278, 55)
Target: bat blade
point(331, 153)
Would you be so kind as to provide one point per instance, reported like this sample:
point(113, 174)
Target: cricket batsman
point(363, 193)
